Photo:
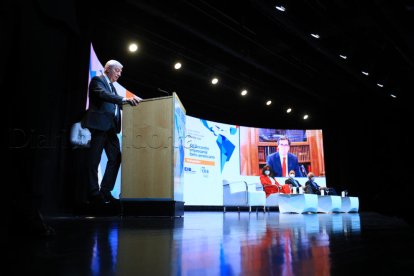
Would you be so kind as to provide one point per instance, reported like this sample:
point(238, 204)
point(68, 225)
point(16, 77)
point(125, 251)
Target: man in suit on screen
point(283, 161)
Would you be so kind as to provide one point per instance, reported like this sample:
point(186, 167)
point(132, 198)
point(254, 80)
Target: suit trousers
point(108, 141)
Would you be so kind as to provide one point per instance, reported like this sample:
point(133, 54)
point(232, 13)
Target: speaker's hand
point(134, 101)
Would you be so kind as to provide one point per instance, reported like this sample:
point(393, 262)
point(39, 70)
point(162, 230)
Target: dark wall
point(47, 55)
point(368, 152)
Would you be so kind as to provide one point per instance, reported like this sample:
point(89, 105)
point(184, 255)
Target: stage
point(217, 243)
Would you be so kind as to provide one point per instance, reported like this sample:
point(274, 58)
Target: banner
point(211, 153)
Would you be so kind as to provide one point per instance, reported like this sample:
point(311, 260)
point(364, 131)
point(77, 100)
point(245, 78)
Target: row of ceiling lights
point(215, 80)
point(133, 47)
point(317, 36)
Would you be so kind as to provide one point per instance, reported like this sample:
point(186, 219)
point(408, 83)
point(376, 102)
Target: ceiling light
point(214, 81)
point(244, 92)
point(280, 8)
point(365, 73)
point(269, 102)
point(177, 66)
point(289, 110)
point(344, 57)
point(380, 85)
point(315, 35)
point(305, 117)
point(394, 96)
point(133, 47)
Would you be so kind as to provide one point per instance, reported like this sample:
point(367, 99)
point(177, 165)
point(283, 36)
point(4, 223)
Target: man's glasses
point(283, 145)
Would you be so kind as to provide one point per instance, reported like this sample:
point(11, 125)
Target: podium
point(152, 176)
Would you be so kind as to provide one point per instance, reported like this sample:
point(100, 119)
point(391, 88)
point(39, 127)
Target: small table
point(350, 204)
point(329, 204)
point(298, 203)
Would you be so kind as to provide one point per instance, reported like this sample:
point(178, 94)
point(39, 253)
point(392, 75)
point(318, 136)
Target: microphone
point(163, 91)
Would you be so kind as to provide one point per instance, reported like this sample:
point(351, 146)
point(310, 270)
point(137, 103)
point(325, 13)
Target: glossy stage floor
point(216, 243)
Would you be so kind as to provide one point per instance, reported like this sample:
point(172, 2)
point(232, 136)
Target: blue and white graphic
point(225, 145)
point(211, 153)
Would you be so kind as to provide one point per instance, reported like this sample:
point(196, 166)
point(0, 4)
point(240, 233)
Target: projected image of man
point(283, 161)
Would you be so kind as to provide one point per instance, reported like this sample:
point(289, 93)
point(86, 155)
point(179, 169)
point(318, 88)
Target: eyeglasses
point(284, 145)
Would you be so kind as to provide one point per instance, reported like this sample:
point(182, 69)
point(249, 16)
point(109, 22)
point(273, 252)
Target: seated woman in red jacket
point(270, 184)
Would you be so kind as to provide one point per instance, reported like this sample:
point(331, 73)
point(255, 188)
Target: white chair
point(240, 194)
point(272, 200)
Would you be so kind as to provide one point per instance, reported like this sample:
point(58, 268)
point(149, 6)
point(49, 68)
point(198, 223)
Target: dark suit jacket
point(101, 112)
point(292, 182)
point(273, 160)
point(311, 187)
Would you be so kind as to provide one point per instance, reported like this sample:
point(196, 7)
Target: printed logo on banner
point(189, 170)
point(204, 171)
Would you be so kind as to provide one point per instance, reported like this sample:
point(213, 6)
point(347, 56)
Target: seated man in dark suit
point(311, 187)
point(292, 181)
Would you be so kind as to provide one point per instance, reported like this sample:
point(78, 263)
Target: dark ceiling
point(249, 44)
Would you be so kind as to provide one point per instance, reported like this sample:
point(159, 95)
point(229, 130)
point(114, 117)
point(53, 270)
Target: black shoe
point(108, 198)
point(97, 200)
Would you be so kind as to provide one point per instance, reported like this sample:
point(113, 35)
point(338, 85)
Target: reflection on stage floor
point(216, 243)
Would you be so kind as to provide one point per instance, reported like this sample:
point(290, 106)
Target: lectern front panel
point(147, 153)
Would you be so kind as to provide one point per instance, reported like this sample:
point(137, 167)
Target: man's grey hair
point(112, 63)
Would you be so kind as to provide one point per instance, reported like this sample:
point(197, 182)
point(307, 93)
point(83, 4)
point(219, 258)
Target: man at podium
point(103, 119)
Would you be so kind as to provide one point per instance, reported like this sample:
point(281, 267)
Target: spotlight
point(269, 102)
point(280, 8)
point(177, 66)
point(305, 117)
point(244, 92)
point(289, 110)
point(214, 81)
point(133, 47)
